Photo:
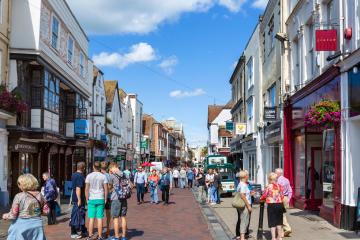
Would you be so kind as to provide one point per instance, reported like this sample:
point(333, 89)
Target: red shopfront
point(312, 159)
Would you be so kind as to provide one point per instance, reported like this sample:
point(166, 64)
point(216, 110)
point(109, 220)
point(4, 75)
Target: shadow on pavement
point(349, 235)
point(134, 233)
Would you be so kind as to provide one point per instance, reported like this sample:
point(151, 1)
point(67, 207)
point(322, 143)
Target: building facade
point(137, 111)
point(49, 67)
point(5, 8)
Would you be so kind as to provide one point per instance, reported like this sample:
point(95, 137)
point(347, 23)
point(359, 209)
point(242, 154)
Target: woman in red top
point(274, 197)
point(153, 181)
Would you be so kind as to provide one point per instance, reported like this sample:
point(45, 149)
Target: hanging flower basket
point(325, 114)
point(11, 102)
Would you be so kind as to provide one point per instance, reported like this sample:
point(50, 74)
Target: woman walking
point(26, 211)
point(243, 213)
point(153, 182)
point(274, 197)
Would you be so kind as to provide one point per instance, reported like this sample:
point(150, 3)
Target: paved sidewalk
point(181, 219)
point(306, 226)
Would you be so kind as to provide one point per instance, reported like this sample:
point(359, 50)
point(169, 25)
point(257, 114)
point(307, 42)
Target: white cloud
point(261, 4)
point(183, 94)
point(168, 64)
point(232, 5)
point(141, 52)
point(171, 119)
point(138, 16)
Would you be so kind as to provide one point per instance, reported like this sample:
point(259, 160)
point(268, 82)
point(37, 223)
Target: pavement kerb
point(222, 232)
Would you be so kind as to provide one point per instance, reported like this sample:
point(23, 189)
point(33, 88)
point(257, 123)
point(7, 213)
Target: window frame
point(272, 96)
point(250, 72)
point(51, 97)
point(82, 64)
point(70, 60)
point(56, 47)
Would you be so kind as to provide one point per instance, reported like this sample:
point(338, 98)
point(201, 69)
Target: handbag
point(238, 202)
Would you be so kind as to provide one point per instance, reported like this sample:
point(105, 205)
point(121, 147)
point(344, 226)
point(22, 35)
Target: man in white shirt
point(176, 175)
point(96, 190)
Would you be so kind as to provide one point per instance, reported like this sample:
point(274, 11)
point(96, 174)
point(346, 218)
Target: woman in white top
point(243, 213)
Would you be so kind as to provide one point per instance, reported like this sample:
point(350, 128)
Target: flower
point(324, 114)
point(11, 102)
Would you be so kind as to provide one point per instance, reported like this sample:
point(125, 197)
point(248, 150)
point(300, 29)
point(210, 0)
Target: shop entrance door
point(21, 163)
point(313, 183)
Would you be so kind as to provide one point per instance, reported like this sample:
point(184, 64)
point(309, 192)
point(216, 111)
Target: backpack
point(165, 180)
point(123, 190)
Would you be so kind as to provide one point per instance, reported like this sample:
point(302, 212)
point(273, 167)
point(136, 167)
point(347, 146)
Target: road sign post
point(261, 221)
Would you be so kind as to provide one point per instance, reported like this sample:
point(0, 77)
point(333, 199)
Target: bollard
point(261, 221)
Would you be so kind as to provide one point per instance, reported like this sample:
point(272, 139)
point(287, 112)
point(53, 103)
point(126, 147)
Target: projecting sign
point(240, 128)
point(229, 126)
point(81, 127)
point(326, 40)
point(269, 114)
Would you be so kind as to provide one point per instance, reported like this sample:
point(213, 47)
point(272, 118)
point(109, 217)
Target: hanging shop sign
point(229, 126)
point(326, 40)
point(269, 114)
point(240, 128)
point(144, 144)
point(81, 127)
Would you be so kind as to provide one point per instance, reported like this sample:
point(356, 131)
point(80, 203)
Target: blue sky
point(176, 55)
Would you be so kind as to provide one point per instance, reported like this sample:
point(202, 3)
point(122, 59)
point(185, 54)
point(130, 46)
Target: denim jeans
point(140, 191)
point(154, 195)
point(182, 182)
point(213, 196)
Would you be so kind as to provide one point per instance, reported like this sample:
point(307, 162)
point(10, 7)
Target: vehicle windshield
point(226, 173)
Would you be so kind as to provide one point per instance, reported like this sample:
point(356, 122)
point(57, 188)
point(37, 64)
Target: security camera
point(282, 37)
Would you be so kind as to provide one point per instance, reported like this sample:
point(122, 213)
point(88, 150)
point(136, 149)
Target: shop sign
point(326, 40)
point(81, 127)
point(269, 114)
point(24, 147)
point(229, 126)
point(273, 130)
point(240, 128)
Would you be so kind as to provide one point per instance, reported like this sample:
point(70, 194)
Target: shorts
point(118, 208)
point(96, 208)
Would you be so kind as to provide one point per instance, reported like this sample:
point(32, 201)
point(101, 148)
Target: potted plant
point(325, 114)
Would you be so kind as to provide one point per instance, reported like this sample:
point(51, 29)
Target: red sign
point(326, 40)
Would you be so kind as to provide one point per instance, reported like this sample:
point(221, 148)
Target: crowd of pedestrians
point(101, 196)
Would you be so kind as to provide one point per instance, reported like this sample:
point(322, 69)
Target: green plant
point(108, 120)
point(326, 114)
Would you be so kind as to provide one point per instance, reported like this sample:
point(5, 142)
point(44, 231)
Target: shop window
point(354, 89)
point(328, 168)
point(252, 167)
point(299, 166)
point(36, 88)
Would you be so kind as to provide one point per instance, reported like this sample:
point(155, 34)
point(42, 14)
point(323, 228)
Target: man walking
point(200, 178)
point(285, 184)
point(176, 174)
point(104, 170)
point(118, 182)
point(77, 222)
point(50, 195)
point(217, 185)
point(140, 181)
point(190, 177)
point(96, 191)
point(166, 185)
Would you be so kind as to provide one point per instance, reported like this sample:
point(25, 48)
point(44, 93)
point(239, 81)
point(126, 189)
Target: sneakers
point(75, 236)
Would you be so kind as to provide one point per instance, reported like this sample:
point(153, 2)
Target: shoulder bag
point(238, 202)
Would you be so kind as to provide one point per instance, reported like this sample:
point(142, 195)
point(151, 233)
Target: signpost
point(261, 221)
